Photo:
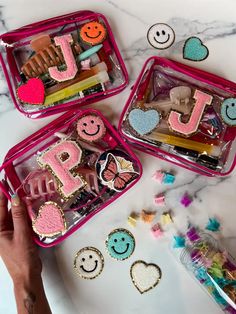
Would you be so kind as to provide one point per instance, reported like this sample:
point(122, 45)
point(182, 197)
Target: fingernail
point(15, 201)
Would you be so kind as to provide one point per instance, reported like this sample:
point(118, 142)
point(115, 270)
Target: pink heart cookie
point(32, 92)
point(50, 220)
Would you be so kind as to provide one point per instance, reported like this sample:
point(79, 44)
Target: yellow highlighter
point(101, 77)
point(185, 143)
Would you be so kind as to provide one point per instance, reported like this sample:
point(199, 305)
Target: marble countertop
point(214, 22)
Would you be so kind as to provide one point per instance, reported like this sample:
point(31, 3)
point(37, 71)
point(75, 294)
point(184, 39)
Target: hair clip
point(90, 176)
point(186, 200)
point(192, 234)
point(85, 65)
point(179, 242)
point(213, 225)
point(164, 177)
point(147, 216)
point(132, 219)
point(166, 218)
point(160, 199)
point(39, 184)
point(156, 230)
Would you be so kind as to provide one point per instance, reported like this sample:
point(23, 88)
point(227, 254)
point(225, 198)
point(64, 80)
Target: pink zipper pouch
point(69, 171)
point(62, 63)
point(183, 115)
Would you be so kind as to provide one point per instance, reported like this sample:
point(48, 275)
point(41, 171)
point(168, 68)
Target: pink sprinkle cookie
point(91, 128)
point(50, 220)
point(32, 92)
point(71, 68)
point(61, 159)
point(191, 127)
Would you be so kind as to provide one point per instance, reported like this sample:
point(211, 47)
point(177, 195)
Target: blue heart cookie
point(143, 122)
point(194, 49)
point(228, 111)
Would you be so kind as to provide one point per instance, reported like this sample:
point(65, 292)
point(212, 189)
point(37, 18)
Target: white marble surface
point(112, 292)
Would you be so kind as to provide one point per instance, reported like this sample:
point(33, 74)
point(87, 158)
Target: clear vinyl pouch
point(68, 171)
point(183, 115)
point(62, 63)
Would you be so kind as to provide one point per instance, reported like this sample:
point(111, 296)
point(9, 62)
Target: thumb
point(19, 216)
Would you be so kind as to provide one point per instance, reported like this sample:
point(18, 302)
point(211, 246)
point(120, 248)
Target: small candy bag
point(68, 171)
point(62, 63)
point(183, 115)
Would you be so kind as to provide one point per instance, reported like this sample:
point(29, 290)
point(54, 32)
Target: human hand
point(20, 255)
point(17, 248)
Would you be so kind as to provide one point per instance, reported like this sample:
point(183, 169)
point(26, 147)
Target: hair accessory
point(166, 218)
point(144, 121)
point(192, 234)
point(168, 178)
point(191, 127)
point(120, 244)
point(89, 52)
point(50, 220)
point(61, 159)
point(164, 177)
point(93, 33)
point(160, 199)
point(194, 49)
point(114, 174)
point(90, 176)
point(213, 225)
point(89, 263)
point(179, 242)
point(186, 200)
point(228, 111)
point(180, 95)
point(156, 230)
point(90, 128)
point(145, 276)
point(147, 216)
point(39, 184)
point(71, 68)
point(32, 92)
point(158, 176)
point(161, 36)
point(85, 65)
point(132, 219)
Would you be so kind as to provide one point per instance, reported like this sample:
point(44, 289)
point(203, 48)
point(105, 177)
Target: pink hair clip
point(90, 176)
point(39, 184)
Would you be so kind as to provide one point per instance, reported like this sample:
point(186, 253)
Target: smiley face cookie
point(228, 111)
point(90, 128)
point(120, 244)
point(93, 33)
point(89, 263)
point(160, 36)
